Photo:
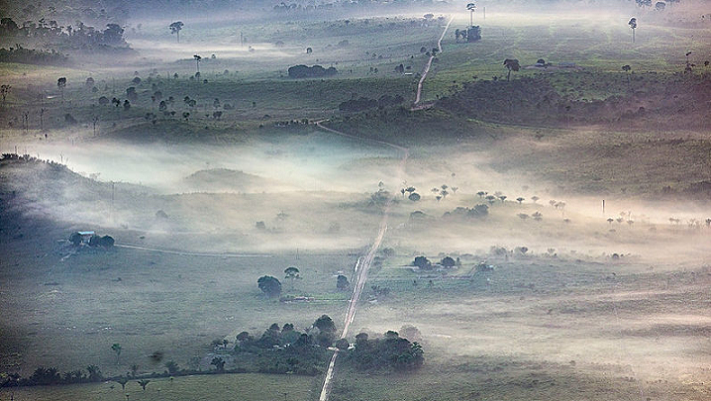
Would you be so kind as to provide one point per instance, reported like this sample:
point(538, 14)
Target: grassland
point(565, 320)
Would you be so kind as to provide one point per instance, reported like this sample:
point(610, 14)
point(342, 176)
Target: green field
point(581, 303)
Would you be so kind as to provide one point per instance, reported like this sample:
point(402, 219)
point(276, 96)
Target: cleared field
point(543, 328)
point(230, 180)
point(256, 387)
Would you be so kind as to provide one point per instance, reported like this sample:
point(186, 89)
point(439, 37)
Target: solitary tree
point(292, 273)
point(270, 286)
point(471, 7)
point(626, 68)
point(422, 262)
point(448, 262)
point(633, 26)
point(175, 28)
point(117, 349)
point(342, 282)
point(122, 381)
point(197, 62)
point(61, 84)
point(511, 64)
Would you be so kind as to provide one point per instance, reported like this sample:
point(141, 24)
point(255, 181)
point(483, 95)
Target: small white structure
point(86, 236)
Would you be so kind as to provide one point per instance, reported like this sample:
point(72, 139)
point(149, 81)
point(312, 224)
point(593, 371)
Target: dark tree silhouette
point(270, 286)
point(219, 363)
point(292, 273)
point(143, 383)
point(471, 7)
point(633, 26)
point(511, 64)
point(175, 28)
point(61, 84)
point(117, 349)
point(197, 63)
point(626, 68)
point(342, 282)
point(422, 262)
point(122, 381)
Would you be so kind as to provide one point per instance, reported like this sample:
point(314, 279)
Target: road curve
point(429, 63)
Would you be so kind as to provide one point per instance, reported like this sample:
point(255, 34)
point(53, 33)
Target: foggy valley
point(355, 200)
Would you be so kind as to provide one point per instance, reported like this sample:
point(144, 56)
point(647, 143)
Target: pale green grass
point(253, 387)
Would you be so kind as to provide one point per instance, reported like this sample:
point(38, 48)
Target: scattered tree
point(422, 262)
point(471, 7)
point(117, 349)
point(633, 26)
point(342, 282)
point(292, 273)
point(511, 64)
point(61, 84)
point(175, 28)
point(270, 286)
point(197, 63)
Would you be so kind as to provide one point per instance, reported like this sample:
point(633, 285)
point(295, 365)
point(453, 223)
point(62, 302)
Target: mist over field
point(350, 200)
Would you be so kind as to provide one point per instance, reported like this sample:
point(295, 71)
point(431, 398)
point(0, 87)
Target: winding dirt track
point(429, 63)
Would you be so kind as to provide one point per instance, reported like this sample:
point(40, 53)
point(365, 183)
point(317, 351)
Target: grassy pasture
point(601, 44)
point(642, 331)
point(256, 387)
point(542, 328)
point(68, 313)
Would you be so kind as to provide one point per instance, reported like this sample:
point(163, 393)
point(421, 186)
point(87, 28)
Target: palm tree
point(122, 381)
point(626, 68)
point(175, 28)
point(633, 26)
point(471, 7)
point(511, 64)
point(197, 62)
point(61, 84)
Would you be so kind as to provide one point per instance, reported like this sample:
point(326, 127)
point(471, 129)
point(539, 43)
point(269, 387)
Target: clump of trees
point(94, 241)
point(287, 350)
point(478, 211)
point(425, 264)
point(21, 55)
point(50, 33)
point(390, 353)
point(364, 103)
point(316, 71)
